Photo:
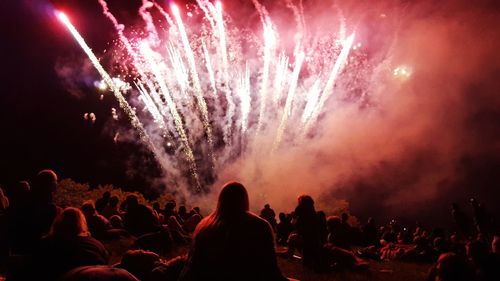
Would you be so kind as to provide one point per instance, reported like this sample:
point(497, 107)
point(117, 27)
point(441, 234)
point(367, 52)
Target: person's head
point(197, 210)
point(116, 221)
point(321, 216)
point(344, 217)
point(140, 263)
point(267, 206)
point(305, 206)
point(114, 201)
point(88, 208)
point(333, 223)
point(44, 184)
point(477, 251)
point(98, 273)
point(452, 267)
point(282, 217)
point(69, 224)
point(495, 245)
point(156, 206)
point(233, 200)
point(106, 195)
point(132, 201)
point(182, 210)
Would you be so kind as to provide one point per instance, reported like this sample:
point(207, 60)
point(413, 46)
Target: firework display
point(209, 97)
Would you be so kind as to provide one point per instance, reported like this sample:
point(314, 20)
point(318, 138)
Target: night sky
point(42, 123)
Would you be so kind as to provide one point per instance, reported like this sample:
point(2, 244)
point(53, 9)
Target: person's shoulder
point(257, 221)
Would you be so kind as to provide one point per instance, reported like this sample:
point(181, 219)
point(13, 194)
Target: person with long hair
point(68, 245)
point(232, 243)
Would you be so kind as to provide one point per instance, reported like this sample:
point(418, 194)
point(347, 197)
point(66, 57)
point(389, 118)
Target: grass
point(292, 268)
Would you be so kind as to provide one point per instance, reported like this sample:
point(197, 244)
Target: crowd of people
point(40, 240)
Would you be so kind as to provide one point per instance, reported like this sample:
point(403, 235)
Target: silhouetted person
point(140, 263)
point(323, 230)
point(101, 203)
point(308, 227)
point(370, 234)
point(283, 229)
point(232, 243)
point(4, 202)
point(139, 219)
point(269, 215)
point(481, 217)
point(42, 211)
point(461, 221)
point(112, 208)
point(182, 213)
point(451, 267)
point(19, 218)
point(338, 235)
point(169, 209)
point(99, 273)
point(67, 246)
point(485, 263)
point(98, 225)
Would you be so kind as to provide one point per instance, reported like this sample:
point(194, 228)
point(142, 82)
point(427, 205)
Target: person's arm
point(269, 262)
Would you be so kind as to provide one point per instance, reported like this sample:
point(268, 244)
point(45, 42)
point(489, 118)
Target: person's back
point(139, 219)
point(41, 211)
point(234, 246)
point(67, 246)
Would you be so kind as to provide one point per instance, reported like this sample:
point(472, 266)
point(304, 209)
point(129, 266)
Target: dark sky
point(42, 124)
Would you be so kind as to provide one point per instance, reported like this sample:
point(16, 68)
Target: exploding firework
point(214, 92)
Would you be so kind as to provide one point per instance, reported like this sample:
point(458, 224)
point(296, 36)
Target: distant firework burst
point(213, 92)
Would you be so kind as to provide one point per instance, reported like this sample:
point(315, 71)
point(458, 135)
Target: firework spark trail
point(148, 19)
point(165, 14)
point(207, 7)
point(136, 123)
point(194, 75)
point(225, 72)
point(312, 101)
point(179, 69)
point(150, 105)
point(299, 59)
point(327, 91)
point(210, 70)
point(245, 98)
point(147, 52)
point(280, 76)
point(269, 43)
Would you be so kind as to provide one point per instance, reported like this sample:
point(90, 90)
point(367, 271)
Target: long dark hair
point(232, 204)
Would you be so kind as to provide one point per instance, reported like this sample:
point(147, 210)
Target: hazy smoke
point(412, 122)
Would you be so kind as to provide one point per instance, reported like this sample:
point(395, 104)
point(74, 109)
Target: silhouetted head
point(69, 224)
point(44, 185)
point(182, 210)
point(282, 217)
point(233, 200)
point(88, 208)
point(477, 251)
point(267, 206)
point(106, 195)
point(113, 201)
point(452, 267)
point(139, 262)
point(495, 245)
point(305, 206)
point(344, 217)
point(132, 201)
point(333, 223)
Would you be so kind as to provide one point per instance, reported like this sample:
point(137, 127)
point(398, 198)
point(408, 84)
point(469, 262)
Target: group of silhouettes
point(40, 240)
